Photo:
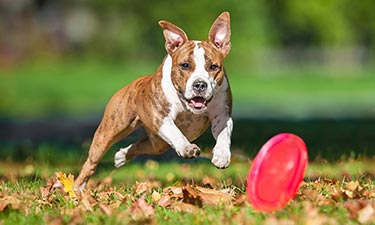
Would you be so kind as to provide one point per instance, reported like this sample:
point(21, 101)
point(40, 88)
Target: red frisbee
point(277, 172)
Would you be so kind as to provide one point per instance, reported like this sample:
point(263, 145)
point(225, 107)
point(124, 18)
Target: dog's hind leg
point(150, 144)
point(101, 143)
point(115, 125)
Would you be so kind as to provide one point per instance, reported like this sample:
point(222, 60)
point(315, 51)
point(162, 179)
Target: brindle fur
point(142, 103)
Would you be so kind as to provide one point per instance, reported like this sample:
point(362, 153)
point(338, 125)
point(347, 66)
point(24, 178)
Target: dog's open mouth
point(197, 102)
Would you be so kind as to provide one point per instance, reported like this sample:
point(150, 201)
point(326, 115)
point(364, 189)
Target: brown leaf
point(338, 195)
point(353, 206)
point(3, 204)
point(316, 197)
point(87, 201)
point(213, 197)
point(164, 201)
point(352, 186)
point(184, 207)
point(240, 200)
point(200, 196)
point(142, 187)
point(191, 196)
point(366, 214)
point(155, 196)
point(210, 181)
point(13, 201)
point(173, 192)
point(46, 190)
point(311, 194)
point(141, 209)
point(350, 194)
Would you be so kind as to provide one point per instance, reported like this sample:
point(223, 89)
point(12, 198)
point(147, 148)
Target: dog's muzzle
point(200, 87)
point(199, 99)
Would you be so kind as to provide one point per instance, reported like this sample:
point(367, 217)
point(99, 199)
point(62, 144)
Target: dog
point(189, 91)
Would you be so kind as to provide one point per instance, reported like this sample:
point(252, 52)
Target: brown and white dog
point(175, 105)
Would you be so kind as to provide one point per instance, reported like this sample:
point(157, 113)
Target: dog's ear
point(220, 33)
point(174, 36)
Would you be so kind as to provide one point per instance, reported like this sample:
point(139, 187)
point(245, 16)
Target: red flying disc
point(277, 172)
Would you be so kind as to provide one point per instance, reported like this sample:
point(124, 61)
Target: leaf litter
point(352, 199)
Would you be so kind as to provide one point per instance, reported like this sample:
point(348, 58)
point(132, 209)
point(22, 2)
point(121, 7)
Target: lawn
point(154, 192)
point(334, 114)
point(78, 88)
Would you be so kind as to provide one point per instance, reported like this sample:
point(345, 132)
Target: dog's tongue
point(197, 102)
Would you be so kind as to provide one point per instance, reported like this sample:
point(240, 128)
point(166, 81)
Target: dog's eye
point(185, 66)
point(214, 67)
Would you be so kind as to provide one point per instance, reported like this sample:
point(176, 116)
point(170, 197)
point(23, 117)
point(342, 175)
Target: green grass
point(337, 148)
point(25, 182)
point(81, 87)
point(70, 87)
point(305, 95)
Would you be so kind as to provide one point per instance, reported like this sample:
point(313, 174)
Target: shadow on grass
point(55, 139)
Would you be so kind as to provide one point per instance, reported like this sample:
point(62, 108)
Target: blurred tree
point(323, 22)
point(118, 29)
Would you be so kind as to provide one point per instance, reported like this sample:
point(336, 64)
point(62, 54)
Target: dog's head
point(197, 66)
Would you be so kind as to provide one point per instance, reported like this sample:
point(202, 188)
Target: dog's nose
point(199, 86)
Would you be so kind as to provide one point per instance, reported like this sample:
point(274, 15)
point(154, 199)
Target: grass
point(340, 150)
point(79, 87)
point(318, 200)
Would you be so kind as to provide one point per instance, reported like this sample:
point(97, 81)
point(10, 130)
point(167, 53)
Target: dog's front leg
point(221, 128)
point(170, 133)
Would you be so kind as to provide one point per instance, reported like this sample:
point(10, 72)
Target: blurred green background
point(294, 65)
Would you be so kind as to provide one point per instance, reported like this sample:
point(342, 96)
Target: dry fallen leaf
point(184, 207)
point(173, 192)
point(210, 181)
point(199, 196)
point(164, 201)
point(87, 201)
point(213, 197)
point(240, 200)
point(191, 196)
point(352, 185)
point(366, 214)
point(142, 187)
point(12, 201)
point(67, 182)
point(362, 210)
point(141, 209)
point(155, 196)
point(353, 206)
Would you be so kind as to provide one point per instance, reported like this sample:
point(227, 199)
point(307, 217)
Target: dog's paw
point(120, 156)
point(191, 151)
point(221, 158)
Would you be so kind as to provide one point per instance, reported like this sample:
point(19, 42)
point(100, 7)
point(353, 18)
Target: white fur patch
point(221, 152)
point(168, 88)
point(170, 133)
point(120, 156)
point(200, 72)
